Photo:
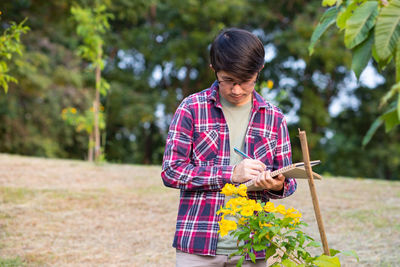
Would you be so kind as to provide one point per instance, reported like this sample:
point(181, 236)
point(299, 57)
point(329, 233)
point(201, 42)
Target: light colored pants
point(192, 260)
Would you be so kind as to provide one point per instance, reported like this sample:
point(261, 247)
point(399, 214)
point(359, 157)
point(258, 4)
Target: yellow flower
point(264, 224)
point(225, 226)
point(241, 201)
point(242, 190)
point(64, 111)
point(73, 110)
point(295, 221)
point(293, 213)
point(242, 221)
point(269, 207)
point(229, 189)
point(232, 204)
point(281, 209)
point(247, 211)
point(237, 203)
point(257, 207)
point(270, 84)
point(291, 210)
point(226, 212)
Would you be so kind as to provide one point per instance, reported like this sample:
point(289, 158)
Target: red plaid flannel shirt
point(196, 161)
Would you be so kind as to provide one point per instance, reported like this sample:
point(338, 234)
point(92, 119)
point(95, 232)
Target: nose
point(236, 89)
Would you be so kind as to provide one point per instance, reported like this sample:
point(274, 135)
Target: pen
point(241, 153)
point(300, 164)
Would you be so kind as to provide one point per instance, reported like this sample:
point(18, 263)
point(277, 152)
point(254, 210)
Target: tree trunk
point(148, 152)
point(90, 147)
point(96, 105)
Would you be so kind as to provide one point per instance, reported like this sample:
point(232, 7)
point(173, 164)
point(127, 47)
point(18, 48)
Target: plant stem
point(293, 258)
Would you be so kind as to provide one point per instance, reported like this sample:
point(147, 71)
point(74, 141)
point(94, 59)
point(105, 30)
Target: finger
point(254, 172)
point(262, 165)
point(281, 177)
point(257, 165)
point(264, 181)
point(267, 174)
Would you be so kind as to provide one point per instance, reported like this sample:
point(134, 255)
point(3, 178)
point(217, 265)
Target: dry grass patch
point(72, 213)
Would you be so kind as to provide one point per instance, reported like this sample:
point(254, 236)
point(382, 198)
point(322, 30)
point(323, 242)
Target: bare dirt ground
point(72, 213)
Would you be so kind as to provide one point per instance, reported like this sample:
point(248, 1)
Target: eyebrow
point(228, 77)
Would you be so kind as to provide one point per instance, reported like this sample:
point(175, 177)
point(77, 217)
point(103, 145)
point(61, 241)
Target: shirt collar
point(258, 100)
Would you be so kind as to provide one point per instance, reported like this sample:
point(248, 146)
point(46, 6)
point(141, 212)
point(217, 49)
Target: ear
point(212, 67)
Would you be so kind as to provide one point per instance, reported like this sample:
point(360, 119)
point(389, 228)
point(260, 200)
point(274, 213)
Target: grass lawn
point(69, 213)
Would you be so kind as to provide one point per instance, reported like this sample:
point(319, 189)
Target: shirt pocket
point(262, 148)
point(205, 146)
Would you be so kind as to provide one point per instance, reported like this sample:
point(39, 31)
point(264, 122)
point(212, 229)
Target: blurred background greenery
point(156, 53)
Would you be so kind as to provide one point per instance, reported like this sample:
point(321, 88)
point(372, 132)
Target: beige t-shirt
point(237, 118)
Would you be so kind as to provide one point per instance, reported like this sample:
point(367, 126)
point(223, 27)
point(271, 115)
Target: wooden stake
point(306, 159)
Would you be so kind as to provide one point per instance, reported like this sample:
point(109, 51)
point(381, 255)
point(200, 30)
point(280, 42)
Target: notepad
point(296, 170)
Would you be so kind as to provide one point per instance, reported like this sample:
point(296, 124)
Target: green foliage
point(371, 131)
point(360, 23)
point(351, 155)
point(84, 121)
point(345, 14)
point(262, 226)
point(362, 55)
point(156, 52)
point(387, 32)
point(92, 25)
point(10, 44)
point(326, 21)
point(365, 22)
point(326, 261)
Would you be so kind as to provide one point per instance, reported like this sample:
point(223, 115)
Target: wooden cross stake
point(306, 159)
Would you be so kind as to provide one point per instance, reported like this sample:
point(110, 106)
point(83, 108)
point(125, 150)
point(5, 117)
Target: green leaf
point(333, 252)
point(391, 119)
point(350, 253)
point(262, 234)
point(327, 261)
point(252, 257)
point(387, 30)
point(327, 19)
point(258, 247)
point(270, 251)
point(381, 63)
point(371, 131)
point(398, 106)
point(240, 262)
point(301, 238)
point(328, 2)
point(345, 14)
point(288, 263)
point(360, 23)
point(314, 244)
point(362, 55)
point(392, 92)
point(243, 235)
point(397, 62)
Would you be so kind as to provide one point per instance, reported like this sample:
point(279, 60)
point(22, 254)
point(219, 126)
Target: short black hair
point(238, 52)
